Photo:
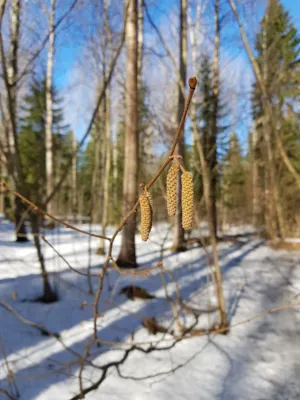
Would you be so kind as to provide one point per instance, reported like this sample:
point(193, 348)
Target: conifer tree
point(33, 160)
point(277, 56)
point(233, 185)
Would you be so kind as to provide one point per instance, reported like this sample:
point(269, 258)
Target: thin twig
point(132, 272)
point(5, 392)
point(64, 259)
point(37, 209)
point(44, 42)
point(10, 374)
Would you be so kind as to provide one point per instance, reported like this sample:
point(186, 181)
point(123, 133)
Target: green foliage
point(209, 111)
point(278, 50)
point(32, 137)
point(278, 62)
point(233, 184)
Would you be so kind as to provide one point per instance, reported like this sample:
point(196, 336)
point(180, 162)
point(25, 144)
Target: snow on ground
point(259, 360)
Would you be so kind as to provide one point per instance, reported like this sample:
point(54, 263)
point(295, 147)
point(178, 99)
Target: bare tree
point(255, 179)
point(206, 170)
point(215, 113)
point(127, 256)
point(74, 177)
point(178, 240)
point(107, 143)
point(49, 105)
point(10, 75)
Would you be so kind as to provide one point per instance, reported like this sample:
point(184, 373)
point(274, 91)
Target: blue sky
point(294, 7)
point(69, 53)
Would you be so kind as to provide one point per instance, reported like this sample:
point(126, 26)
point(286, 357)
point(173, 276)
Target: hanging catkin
point(149, 198)
point(187, 200)
point(146, 215)
point(172, 189)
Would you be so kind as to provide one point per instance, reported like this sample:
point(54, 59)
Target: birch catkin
point(187, 200)
point(146, 215)
point(172, 189)
point(148, 194)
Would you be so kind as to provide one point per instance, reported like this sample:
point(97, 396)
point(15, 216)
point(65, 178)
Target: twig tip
point(193, 83)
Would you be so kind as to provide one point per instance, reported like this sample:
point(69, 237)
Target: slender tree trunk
point(115, 174)
point(107, 166)
point(12, 73)
point(49, 108)
point(2, 176)
point(74, 178)
point(140, 41)
point(212, 161)
point(255, 180)
point(127, 256)
point(94, 182)
point(178, 240)
point(275, 217)
point(209, 211)
point(49, 296)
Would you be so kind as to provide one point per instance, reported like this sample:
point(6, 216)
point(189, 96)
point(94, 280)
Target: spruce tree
point(32, 137)
point(277, 56)
point(233, 185)
point(32, 148)
point(209, 138)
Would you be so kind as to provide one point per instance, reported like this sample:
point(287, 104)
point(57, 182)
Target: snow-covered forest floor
point(257, 360)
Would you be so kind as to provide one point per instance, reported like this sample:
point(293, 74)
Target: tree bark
point(255, 180)
point(96, 170)
point(49, 296)
point(127, 256)
point(74, 177)
point(12, 106)
point(209, 211)
point(107, 166)
point(49, 108)
point(178, 239)
point(140, 41)
point(274, 207)
point(212, 160)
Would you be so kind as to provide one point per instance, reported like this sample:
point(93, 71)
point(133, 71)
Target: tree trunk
point(49, 296)
point(274, 206)
point(127, 256)
point(212, 161)
point(1, 190)
point(49, 108)
point(178, 239)
point(94, 214)
point(140, 41)
point(115, 175)
point(209, 211)
point(255, 180)
point(14, 162)
point(107, 166)
point(74, 177)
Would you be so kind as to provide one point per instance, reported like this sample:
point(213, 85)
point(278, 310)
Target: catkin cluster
point(187, 200)
point(146, 214)
point(187, 195)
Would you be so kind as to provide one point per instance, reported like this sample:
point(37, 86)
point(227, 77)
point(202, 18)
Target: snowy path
point(255, 361)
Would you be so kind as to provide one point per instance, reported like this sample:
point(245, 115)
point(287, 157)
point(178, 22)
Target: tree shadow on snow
point(67, 313)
